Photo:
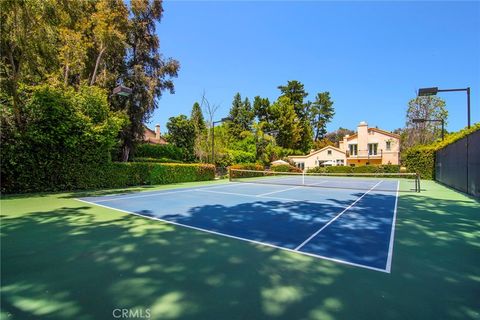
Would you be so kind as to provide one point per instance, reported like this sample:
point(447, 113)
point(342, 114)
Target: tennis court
point(347, 219)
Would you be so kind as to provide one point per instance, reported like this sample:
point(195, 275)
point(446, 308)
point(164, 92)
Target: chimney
point(362, 136)
point(157, 132)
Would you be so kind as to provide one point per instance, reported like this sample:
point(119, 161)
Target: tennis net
point(408, 182)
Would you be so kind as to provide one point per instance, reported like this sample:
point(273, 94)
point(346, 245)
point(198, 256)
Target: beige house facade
point(369, 146)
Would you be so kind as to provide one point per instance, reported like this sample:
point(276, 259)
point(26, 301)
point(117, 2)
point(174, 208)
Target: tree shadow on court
point(82, 262)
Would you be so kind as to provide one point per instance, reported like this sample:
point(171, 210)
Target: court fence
point(458, 164)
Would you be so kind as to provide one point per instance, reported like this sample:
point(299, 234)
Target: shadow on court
point(81, 262)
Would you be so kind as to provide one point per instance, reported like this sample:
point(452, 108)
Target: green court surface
point(64, 259)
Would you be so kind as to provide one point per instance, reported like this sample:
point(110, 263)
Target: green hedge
point(159, 151)
point(156, 160)
point(284, 168)
point(421, 159)
point(388, 168)
point(121, 174)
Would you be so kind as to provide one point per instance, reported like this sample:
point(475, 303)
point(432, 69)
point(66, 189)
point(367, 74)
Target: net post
point(418, 182)
point(229, 174)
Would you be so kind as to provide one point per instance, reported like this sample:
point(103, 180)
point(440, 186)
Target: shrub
point(317, 170)
point(159, 151)
point(284, 168)
point(247, 166)
point(64, 132)
point(339, 169)
point(420, 159)
point(157, 160)
point(124, 174)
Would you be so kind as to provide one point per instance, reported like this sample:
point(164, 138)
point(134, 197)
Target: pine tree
point(322, 112)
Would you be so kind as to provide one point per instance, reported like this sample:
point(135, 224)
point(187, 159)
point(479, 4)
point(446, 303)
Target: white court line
point(264, 197)
point(239, 238)
point(392, 233)
point(335, 218)
point(297, 187)
point(160, 193)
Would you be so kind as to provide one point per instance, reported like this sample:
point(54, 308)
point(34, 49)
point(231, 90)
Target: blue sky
point(370, 56)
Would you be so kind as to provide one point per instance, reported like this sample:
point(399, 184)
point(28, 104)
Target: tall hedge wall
point(120, 174)
point(421, 159)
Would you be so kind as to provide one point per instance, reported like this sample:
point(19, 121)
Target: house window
point(301, 165)
point(329, 152)
point(353, 148)
point(388, 145)
point(372, 149)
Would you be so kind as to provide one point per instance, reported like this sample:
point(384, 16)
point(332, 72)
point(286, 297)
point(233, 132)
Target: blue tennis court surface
point(355, 227)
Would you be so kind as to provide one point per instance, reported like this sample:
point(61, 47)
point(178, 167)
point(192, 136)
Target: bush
point(317, 170)
point(246, 166)
point(339, 169)
point(284, 168)
point(125, 174)
point(159, 151)
point(420, 159)
point(156, 160)
point(63, 132)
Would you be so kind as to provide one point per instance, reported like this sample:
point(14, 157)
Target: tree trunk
point(125, 153)
point(96, 66)
point(16, 102)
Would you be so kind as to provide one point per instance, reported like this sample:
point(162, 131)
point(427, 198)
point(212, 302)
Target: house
point(328, 156)
point(369, 146)
point(154, 137)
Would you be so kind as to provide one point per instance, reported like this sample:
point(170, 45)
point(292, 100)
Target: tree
point(147, 73)
point(260, 109)
point(286, 122)
point(197, 118)
point(200, 131)
point(181, 133)
point(242, 116)
point(294, 90)
point(28, 50)
point(322, 112)
point(110, 25)
point(336, 136)
point(430, 107)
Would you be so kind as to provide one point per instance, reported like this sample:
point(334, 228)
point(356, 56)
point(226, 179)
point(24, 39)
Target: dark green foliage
point(197, 119)
point(285, 168)
point(387, 168)
point(248, 166)
point(156, 160)
point(242, 116)
point(64, 133)
point(421, 158)
point(181, 132)
point(121, 174)
point(159, 151)
point(321, 113)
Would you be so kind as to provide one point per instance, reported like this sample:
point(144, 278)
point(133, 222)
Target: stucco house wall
point(369, 146)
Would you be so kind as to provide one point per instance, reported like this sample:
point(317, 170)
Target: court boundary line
point(388, 266)
point(335, 218)
point(239, 238)
point(161, 192)
point(264, 197)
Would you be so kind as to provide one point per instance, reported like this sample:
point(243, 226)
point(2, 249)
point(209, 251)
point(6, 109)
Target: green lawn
point(64, 259)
